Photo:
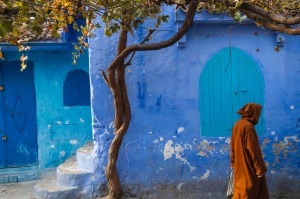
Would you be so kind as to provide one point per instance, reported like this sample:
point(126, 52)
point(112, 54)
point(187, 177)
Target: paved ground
point(22, 190)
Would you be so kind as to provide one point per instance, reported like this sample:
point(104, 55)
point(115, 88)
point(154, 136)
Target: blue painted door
point(229, 80)
point(18, 131)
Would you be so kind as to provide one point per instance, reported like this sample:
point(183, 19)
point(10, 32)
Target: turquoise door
point(18, 131)
point(230, 79)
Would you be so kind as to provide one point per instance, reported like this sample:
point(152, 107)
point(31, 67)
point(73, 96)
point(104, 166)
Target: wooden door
point(230, 79)
point(18, 131)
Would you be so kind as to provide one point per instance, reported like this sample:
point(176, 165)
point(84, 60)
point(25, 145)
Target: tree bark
point(116, 81)
point(269, 15)
point(270, 25)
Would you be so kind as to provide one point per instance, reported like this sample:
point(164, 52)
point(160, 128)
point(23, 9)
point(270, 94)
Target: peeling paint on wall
point(224, 149)
point(284, 147)
point(266, 140)
point(169, 150)
point(22, 148)
point(62, 153)
point(178, 150)
point(294, 138)
point(205, 175)
point(73, 141)
point(228, 140)
point(106, 132)
point(188, 146)
point(155, 141)
point(205, 148)
point(179, 186)
point(273, 172)
point(180, 130)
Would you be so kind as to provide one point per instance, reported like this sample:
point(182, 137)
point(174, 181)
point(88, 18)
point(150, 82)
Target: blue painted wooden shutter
point(76, 89)
point(229, 80)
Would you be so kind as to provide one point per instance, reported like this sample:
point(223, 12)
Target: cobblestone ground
point(24, 190)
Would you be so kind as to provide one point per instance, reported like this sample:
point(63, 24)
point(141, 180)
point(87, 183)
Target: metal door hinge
point(1, 88)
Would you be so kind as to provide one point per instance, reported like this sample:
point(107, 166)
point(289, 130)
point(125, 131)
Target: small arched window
point(77, 89)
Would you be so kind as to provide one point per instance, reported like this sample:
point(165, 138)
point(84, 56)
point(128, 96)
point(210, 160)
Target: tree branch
point(145, 47)
point(151, 31)
point(269, 24)
point(104, 77)
point(267, 14)
point(9, 12)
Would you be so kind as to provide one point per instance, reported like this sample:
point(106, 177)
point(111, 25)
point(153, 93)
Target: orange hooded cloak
point(246, 156)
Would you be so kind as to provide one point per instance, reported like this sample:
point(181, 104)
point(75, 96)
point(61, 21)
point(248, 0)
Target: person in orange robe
point(246, 156)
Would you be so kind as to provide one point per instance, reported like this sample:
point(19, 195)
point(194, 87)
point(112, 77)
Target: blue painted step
point(85, 157)
point(48, 189)
point(68, 174)
point(74, 178)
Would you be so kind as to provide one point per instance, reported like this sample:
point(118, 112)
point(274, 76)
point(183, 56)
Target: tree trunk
point(116, 81)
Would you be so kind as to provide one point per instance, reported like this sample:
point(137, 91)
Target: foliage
point(25, 20)
point(22, 21)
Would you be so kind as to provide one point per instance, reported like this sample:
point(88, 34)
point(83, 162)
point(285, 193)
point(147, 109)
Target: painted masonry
point(184, 100)
point(51, 128)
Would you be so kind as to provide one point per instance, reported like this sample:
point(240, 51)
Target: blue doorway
point(230, 79)
point(18, 131)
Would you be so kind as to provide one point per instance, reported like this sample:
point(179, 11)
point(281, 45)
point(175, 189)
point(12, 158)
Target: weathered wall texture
point(60, 129)
point(163, 149)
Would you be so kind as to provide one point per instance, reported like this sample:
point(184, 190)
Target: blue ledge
point(205, 17)
point(39, 46)
point(13, 175)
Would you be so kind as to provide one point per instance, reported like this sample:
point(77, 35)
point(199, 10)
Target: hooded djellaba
point(246, 156)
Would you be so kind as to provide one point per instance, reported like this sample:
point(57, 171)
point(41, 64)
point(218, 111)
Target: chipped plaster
point(178, 151)
point(205, 175)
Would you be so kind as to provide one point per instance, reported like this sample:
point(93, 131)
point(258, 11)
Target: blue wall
point(163, 149)
point(60, 129)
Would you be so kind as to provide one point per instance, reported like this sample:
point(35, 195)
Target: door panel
point(229, 81)
point(2, 143)
point(19, 115)
point(249, 83)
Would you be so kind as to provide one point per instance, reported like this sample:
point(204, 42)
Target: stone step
point(47, 188)
point(85, 157)
point(68, 174)
point(72, 179)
